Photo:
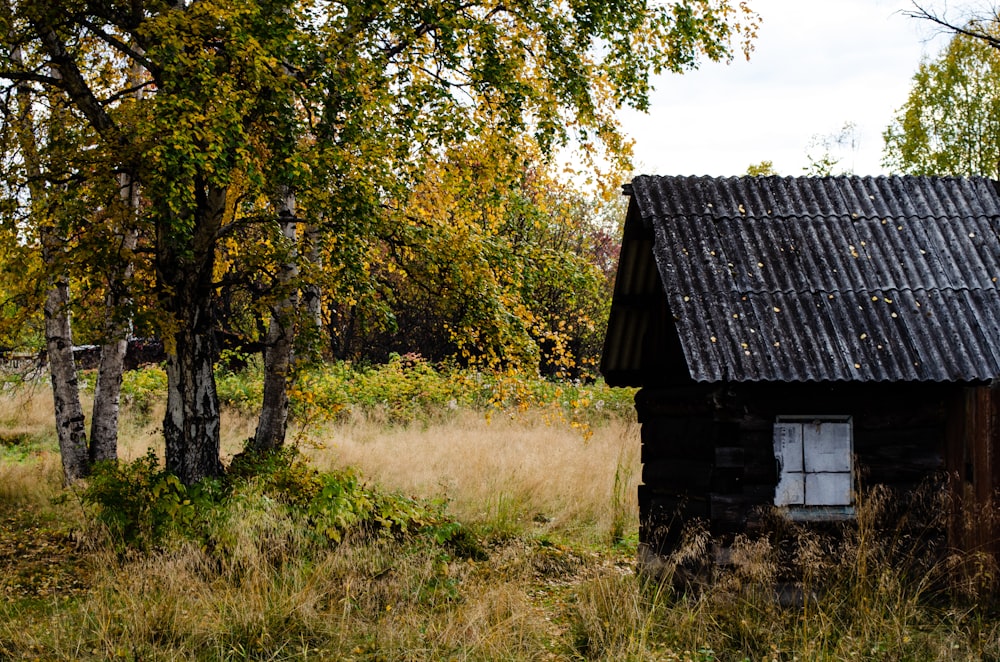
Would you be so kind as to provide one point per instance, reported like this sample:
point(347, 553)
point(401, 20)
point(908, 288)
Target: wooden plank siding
point(974, 470)
point(708, 451)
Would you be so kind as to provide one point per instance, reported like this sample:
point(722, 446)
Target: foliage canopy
point(251, 124)
point(950, 122)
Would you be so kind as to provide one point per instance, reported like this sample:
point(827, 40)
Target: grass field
point(543, 568)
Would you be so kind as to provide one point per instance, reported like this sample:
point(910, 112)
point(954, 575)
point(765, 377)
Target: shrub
point(243, 390)
point(407, 388)
point(337, 503)
point(143, 507)
point(141, 388)
point(141, 504)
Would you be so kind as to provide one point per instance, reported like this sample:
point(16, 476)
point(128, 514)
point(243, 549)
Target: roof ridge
point(865, 291)
point(838, 215)
point(818, 178)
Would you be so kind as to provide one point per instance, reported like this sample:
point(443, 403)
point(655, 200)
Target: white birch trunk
point(191, 423)
point(107, 395)
point(70, 424)
point(273, 422)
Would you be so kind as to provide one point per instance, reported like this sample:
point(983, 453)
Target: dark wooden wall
point(973, 462)
point(708, 454)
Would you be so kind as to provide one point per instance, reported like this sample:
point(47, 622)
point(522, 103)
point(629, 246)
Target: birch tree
point(43, 202)
point(333, 102)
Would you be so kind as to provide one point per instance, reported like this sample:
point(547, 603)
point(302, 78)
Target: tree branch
point(74, 84)
point(925, 15)
point(30, 76)
point(126, 92)
point(121, 47)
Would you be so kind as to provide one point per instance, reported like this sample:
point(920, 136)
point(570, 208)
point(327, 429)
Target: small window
point(815, 464)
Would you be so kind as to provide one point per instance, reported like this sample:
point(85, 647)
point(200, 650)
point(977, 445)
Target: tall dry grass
point(26, 432)
point(275, 594)
point(510, 473)
point(516, 473)
point(551, 585)
point(276, 597)
point(140, 431)
point(26, 411)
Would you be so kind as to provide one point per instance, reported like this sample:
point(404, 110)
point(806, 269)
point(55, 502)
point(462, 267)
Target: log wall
point(708, 453)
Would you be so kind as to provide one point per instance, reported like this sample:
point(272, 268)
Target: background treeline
point(497, 257)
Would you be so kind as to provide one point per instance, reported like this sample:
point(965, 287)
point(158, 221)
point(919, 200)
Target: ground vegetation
point(452, 535)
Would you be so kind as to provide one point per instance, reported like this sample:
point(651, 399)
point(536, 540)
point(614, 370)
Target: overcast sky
point(817, 65)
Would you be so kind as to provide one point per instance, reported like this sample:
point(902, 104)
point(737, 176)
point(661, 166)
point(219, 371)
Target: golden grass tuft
point(34, 482)
point(26, 411)
point(511, 473)
point(26, 431)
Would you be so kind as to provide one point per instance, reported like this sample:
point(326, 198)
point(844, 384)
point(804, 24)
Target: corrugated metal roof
point(821, 279)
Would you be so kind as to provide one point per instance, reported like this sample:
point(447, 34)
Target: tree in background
point(826, 152)
point(248, 104)
point(950, 123)
point(762, 169)
point(495, 259)
point(50, 212)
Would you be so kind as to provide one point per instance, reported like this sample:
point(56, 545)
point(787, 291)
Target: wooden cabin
point(798, 340)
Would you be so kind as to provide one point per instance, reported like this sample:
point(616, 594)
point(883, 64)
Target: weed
point(623, 492)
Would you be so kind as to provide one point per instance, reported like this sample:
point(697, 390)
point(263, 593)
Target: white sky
point(817, 65)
